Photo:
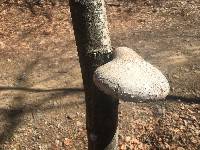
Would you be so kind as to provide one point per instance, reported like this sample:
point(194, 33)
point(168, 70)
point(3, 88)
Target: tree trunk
point(94, 49)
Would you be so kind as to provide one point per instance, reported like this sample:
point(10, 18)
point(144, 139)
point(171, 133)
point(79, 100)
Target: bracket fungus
point(129, 77)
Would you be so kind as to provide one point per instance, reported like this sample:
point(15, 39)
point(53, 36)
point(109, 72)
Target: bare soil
point(41, 94)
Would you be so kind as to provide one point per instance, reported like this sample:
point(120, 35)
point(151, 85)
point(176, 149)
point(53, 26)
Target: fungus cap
point(129, 77)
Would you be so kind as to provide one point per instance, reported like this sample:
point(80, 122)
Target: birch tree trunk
point(94, 49)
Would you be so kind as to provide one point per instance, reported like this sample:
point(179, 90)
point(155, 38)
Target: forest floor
point(41, 94)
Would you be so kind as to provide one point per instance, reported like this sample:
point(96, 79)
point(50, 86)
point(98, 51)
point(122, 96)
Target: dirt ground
point(41, 94)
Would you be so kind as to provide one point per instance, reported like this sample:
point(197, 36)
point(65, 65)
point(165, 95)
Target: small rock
point(2, 45)
point(9, 60)
point(57, 142)
point(39, 137)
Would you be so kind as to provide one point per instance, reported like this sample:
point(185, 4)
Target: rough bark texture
point(94, 49)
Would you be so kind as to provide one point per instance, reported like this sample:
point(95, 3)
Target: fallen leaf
point(127, 139)
point(135, 141)
point(67, 142)
point(78, 123)
point(123, 147)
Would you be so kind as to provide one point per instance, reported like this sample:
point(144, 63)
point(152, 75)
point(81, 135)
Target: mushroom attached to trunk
point(131, 78)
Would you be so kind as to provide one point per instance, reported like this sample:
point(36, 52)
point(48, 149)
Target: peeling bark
point(94, 49)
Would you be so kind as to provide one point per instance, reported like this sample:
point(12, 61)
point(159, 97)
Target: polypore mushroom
point(131, 78)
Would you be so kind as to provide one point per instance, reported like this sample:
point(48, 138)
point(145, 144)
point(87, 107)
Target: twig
point(112, 4)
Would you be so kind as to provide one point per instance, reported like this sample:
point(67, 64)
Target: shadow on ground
point(195, 100)
point(14, 115)
point(36, 7)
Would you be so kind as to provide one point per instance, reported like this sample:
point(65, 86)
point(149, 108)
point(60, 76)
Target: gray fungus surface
point(131, 78)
